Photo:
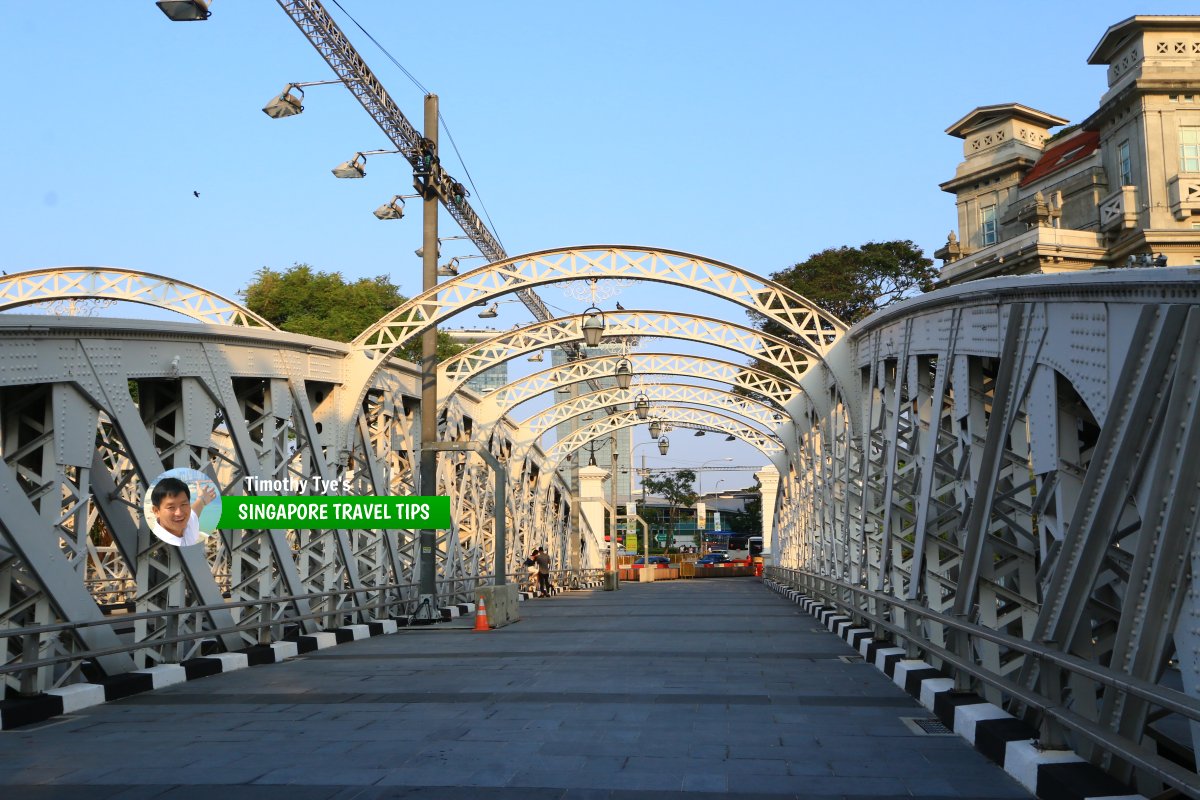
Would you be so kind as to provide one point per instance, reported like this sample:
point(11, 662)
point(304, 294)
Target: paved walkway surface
point(706, 687)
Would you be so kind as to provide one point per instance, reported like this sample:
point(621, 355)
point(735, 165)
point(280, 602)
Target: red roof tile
point(1062, 154)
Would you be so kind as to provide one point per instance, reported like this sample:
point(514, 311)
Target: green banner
point(353, 513)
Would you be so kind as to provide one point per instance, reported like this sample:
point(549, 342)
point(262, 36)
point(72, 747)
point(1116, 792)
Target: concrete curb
point(1005, 740)
point(52, 703)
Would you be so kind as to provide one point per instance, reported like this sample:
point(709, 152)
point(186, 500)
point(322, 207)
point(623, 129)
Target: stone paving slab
point(663, 690)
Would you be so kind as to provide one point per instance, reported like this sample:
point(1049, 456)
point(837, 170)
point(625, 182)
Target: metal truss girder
point(1160, 563)
point(110, 283)
point(36, 544)
point(1118, 452)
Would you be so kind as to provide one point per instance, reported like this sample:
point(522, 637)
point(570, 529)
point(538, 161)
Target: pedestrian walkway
point(716, 687)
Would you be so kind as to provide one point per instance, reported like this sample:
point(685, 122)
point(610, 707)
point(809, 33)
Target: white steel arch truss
point(775, 352)
point(767, 444)
point(749, 379)
point(816, 328)
point(126, 285)
point(660, 395)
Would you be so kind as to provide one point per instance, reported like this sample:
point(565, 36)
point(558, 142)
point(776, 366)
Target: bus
point(736, 546)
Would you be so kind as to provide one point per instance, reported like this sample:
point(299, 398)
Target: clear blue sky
point(754, 133)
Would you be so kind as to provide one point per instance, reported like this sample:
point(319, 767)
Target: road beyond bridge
point(715, 687)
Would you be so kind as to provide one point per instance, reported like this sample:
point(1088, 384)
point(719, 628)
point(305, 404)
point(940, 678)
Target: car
point(660, 562)
point(712, 560)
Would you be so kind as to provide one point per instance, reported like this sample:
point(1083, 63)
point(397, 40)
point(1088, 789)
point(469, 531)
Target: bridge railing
point(1057, 723)
point(274, 619)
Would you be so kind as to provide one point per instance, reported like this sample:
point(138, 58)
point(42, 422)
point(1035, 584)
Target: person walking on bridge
point(543, 564)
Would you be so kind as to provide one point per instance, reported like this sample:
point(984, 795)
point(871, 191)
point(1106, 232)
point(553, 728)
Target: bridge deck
point(686, 687)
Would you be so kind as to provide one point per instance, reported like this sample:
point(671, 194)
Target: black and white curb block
point(1009, 742)
point(76, 697)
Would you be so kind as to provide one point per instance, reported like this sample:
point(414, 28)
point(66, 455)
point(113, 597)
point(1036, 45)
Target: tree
point(677, 489)
point(304, 300)
point(854, 282)
point(851, 283)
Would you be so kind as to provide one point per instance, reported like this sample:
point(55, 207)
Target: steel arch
point(816, 328)
point(502, 401)
point(767, 444)
point(126, 285)
point(536, 426)
point(754, 343)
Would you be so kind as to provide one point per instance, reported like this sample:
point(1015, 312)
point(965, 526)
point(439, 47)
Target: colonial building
point(1121, 188)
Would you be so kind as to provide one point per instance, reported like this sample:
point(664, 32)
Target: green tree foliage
point(304, 300)
point(748, 520)
point(677, 488)
point(854, 282)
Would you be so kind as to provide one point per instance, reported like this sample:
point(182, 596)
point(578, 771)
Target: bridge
point(980, 507)
point(987, 487)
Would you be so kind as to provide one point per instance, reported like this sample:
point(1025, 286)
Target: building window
point(1126, 166)
point(1189, 149)
point(987, 224)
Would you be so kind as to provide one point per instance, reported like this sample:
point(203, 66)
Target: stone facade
point(1121, 188)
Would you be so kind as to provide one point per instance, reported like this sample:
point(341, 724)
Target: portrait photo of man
point(174, 513)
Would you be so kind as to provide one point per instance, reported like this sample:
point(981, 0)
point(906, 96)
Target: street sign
point(661, 538)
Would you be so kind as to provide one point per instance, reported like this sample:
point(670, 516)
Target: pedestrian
point(543, 566)
point(531, 572)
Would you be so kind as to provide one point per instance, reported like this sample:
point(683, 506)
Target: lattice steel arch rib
point(777, 352)
point(816, 328)
point(131, 286)
point(767, 444)
point(539, 424)
point(502, 401)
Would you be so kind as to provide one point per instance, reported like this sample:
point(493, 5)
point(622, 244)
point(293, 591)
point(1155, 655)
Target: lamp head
point(663, 445)
point(286, 104)
point(394, 209)
point(624, 374)
point(354, 168)
point(185, 10)
point(642, 406)
point(593, 326)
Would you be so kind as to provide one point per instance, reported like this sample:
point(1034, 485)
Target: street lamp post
point(427, 539)
point(612, 541)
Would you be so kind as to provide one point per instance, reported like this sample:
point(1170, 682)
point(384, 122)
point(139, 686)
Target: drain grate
point(926, 726)
point(852, 659)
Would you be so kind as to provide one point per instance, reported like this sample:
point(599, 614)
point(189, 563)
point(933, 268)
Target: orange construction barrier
point(481, 620)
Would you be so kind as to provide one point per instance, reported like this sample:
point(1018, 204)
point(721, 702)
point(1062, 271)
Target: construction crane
point(324, 34)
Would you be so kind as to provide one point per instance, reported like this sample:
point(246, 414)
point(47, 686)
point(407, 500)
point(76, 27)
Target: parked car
point(659, 562)
point(711, 560)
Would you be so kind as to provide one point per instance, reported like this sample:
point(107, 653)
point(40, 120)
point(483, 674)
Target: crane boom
point(324, 34)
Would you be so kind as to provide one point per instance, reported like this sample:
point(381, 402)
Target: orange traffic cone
point(481, 620)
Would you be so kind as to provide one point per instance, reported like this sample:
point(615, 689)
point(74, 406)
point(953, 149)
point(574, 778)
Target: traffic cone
point(481, 620)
